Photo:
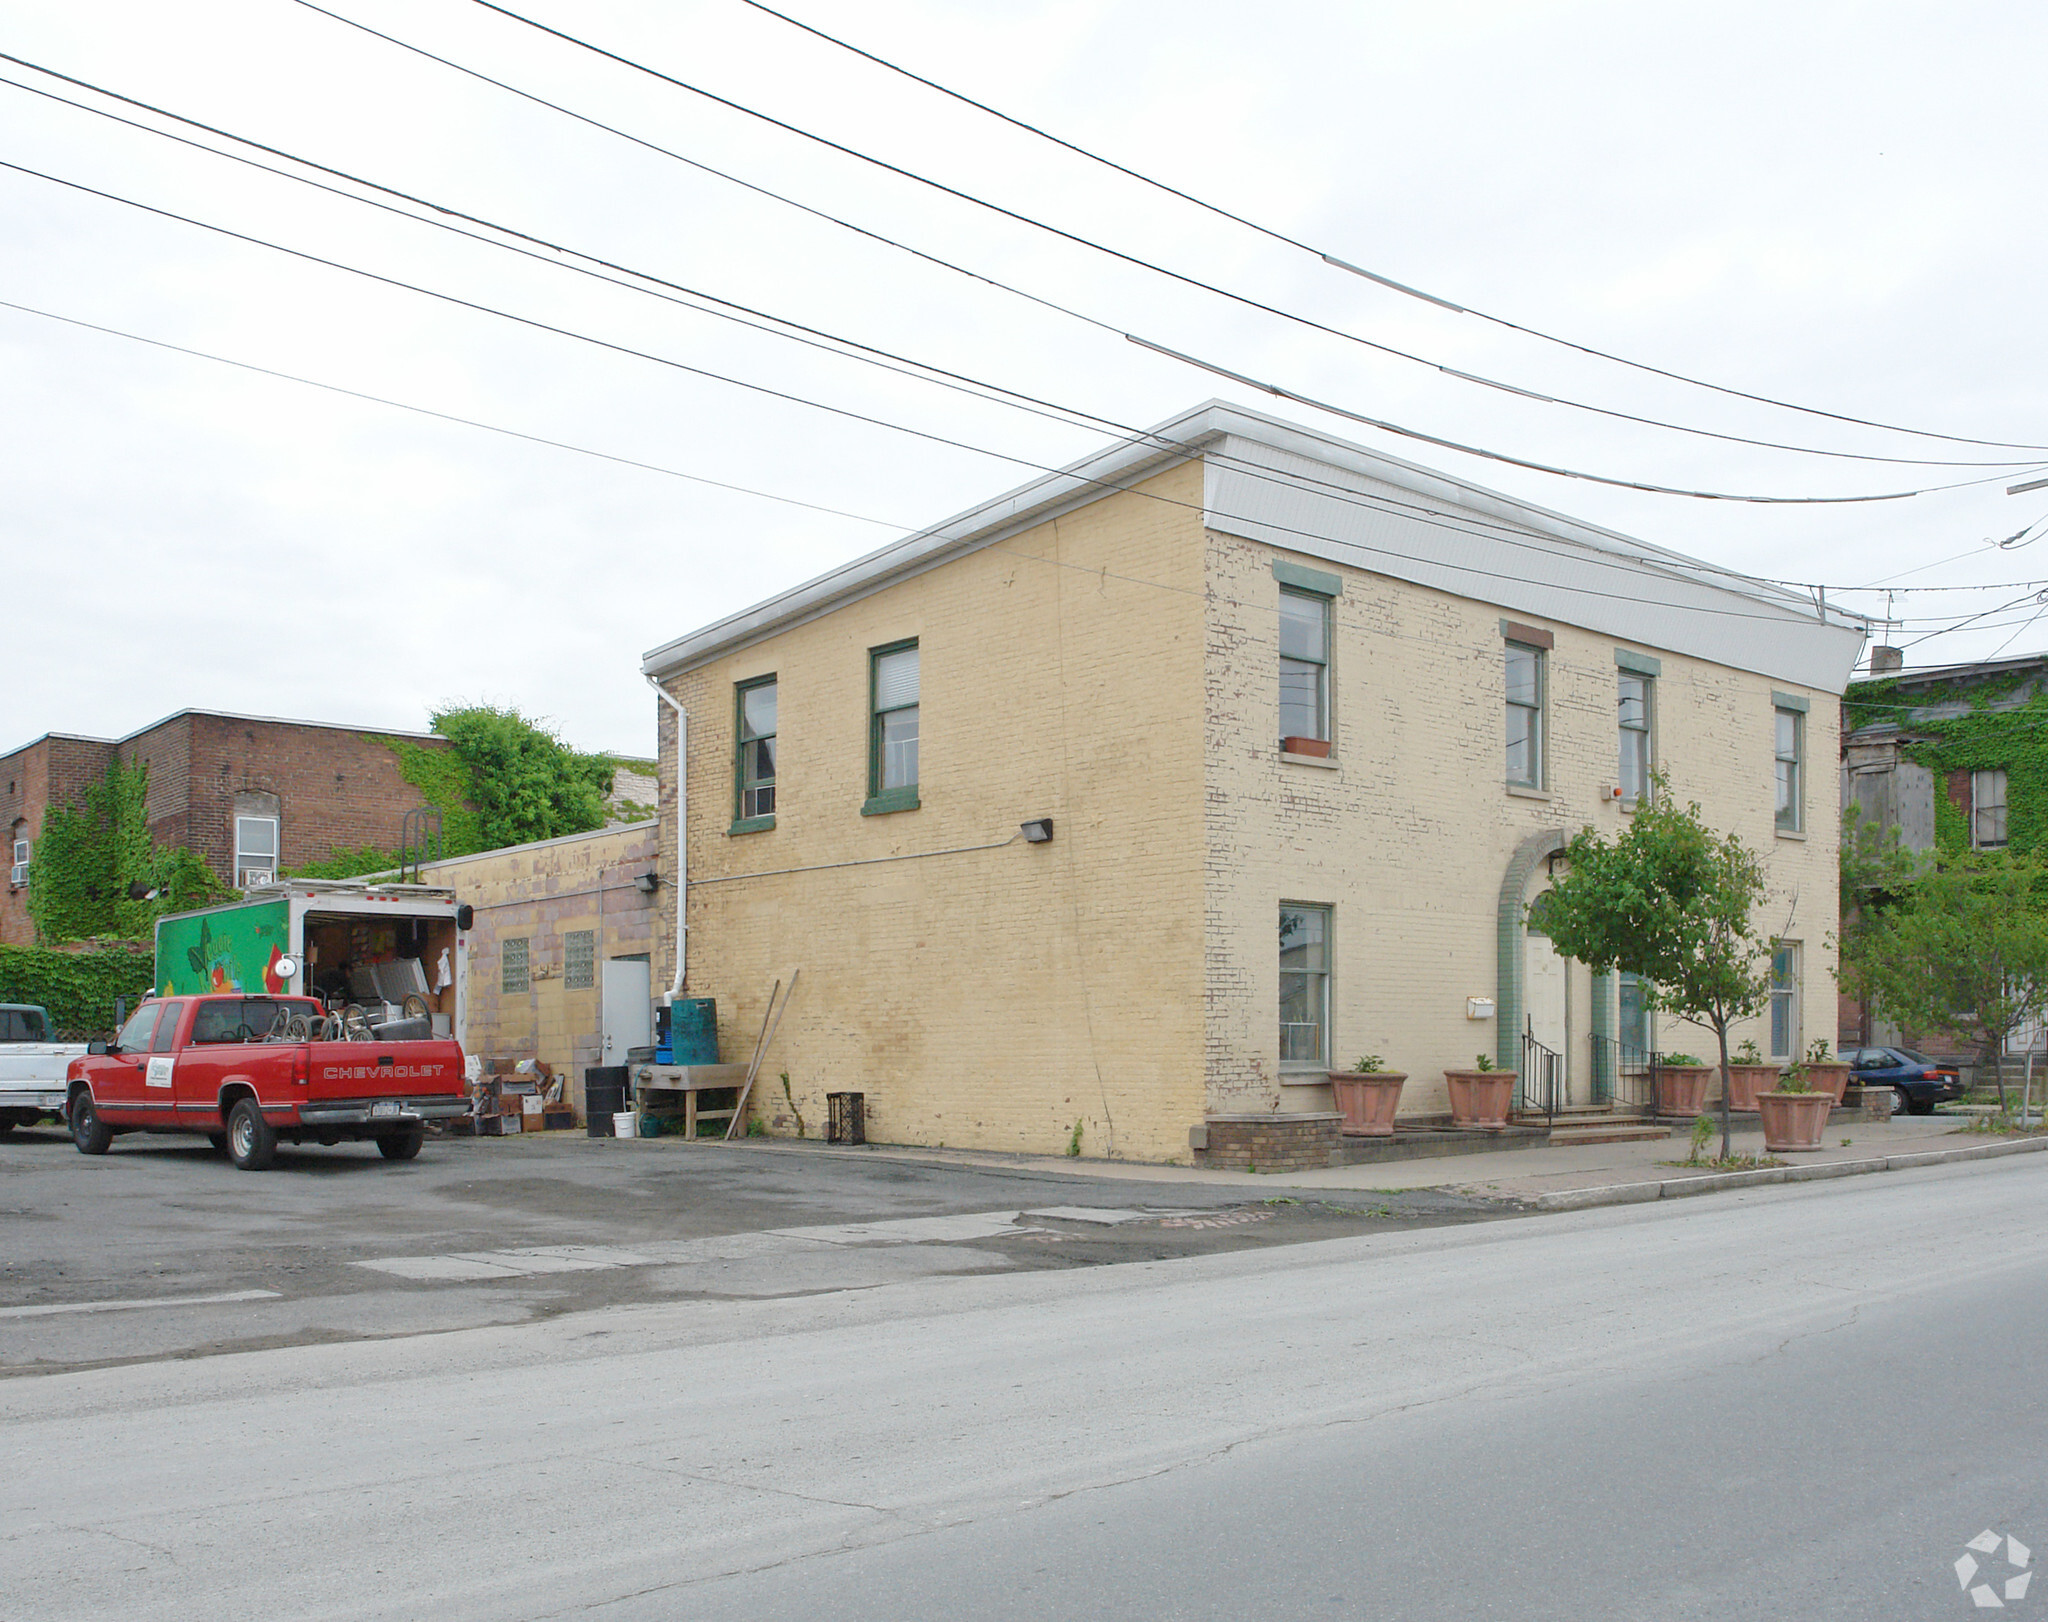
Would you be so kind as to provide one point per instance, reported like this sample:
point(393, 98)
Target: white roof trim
point(1311, 493)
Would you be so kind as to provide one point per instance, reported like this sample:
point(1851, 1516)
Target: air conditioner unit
point(254, 878)
point(18, 876)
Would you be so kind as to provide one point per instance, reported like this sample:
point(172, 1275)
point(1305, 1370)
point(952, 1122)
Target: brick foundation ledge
point(1267, 1142)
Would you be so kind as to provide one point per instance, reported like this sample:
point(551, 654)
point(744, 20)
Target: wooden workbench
point(688, 1080)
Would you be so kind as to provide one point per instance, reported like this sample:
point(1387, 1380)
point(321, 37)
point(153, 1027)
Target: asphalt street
point(1801, 1401)
point(161, 1248)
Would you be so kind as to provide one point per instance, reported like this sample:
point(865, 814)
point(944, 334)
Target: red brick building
point(248, 793)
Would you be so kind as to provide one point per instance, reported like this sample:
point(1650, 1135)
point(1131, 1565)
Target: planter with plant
point(1318, 747)
point(1795, 1115)
point(1368, 1094)
point(1824, 1074)
point(1748, 1075)
point(1682, 1084)
point(1482, 1096)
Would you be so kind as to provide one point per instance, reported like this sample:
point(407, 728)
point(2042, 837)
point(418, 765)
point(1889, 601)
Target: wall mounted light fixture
point(1038, 831)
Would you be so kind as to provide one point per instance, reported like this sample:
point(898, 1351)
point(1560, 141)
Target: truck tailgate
point(357, 1081)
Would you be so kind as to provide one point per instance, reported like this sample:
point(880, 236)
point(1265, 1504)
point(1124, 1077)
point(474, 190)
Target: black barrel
point(604, 1095)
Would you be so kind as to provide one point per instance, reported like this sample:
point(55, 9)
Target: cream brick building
point(1107, 648)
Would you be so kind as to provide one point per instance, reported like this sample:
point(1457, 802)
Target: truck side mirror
point(97, 1049)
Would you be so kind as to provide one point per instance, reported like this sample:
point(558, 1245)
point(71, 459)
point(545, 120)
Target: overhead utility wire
point(1787, 610)
point(449, 416)
point(972, 386)
point(1175, 275)
point(973, 275)
point(818, 339)
point(1359, 270)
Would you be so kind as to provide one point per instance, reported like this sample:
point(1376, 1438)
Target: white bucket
point(626, 1125)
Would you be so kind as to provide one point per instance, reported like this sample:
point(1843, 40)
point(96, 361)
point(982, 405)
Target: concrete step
point(1610, 1132)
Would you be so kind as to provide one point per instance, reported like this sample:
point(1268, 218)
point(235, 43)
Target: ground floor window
point(1304, 986)
point(1632, 1028)
point(1785, 1000)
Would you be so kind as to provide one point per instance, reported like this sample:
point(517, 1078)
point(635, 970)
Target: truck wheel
point(92, 1135)
point(402, 1145)
point(251, 1144)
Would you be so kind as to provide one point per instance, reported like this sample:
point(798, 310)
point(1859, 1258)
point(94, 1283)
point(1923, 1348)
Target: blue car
point(1919, 1081)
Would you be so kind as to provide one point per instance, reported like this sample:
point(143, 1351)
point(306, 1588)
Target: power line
point(1614, 562)
point(979, 388)
point(448, 416)
point(1359, 270)
point(1162, 270)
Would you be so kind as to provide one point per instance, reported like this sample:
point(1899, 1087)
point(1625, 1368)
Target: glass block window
point(579, 959)
point(1304, 987)
point(512, 973)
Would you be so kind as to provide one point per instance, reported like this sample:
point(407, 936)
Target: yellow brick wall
point(541, 892)
point(995, 998)
point(1409, 837)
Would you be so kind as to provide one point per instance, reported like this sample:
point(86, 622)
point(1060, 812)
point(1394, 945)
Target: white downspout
point(682, 838)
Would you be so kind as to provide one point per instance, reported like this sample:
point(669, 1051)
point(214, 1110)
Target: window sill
point(1522, 791)
point(895, 799)
point(751, 825)
point(1792, 833)
point(1321, 762)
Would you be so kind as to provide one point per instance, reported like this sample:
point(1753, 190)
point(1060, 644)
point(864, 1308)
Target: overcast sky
point(1836, 205)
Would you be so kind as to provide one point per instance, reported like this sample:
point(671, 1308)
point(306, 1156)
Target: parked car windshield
point(1911, 1057)
point(249, 1019)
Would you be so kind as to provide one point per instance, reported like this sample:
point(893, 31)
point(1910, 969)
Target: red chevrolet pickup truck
point(220, 1066)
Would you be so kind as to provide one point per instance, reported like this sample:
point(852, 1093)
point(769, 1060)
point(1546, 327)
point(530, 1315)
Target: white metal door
point(628, 1007)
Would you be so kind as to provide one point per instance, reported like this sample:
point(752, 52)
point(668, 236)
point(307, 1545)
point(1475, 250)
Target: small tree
point(1671, 901)
point(1964, 948)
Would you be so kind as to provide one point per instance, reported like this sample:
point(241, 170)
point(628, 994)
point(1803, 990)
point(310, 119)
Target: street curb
point(1582, 1199)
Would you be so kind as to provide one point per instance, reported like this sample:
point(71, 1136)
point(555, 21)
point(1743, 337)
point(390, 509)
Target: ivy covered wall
point(2003, 726)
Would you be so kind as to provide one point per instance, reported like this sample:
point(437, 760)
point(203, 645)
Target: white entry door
point(1543, 979)
point(628, 1007)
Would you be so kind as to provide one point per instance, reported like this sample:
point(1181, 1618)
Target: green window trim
point(1789, 701)
point(741, 783)
point(1305, 579)
point(1638, 664)
point(902, 796)
point(894, 799)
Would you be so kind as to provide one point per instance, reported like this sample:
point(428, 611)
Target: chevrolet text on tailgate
point(244, 1072)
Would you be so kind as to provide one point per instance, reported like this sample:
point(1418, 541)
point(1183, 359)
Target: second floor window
point(1987, 810)
point(757, 750)
point(1791, 749)
point(512, 971)
point(1525, 716)
point(1636, 758)
point(255, 850)
point(892, 738)
point(17, 875)
point(1304, 666)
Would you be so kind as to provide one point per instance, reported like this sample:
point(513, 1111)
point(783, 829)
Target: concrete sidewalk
point(1551, 1177)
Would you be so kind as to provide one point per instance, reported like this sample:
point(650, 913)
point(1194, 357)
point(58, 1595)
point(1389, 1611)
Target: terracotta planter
point(1368, 1099)
point(1480, 1098)
point(1319, 747)
point(1745, 1081)
point(1682, 1088)
point(1831, 1078)
point(1793, 1120)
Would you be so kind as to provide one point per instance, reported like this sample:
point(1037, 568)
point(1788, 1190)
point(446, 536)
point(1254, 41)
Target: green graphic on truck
point(230, 949)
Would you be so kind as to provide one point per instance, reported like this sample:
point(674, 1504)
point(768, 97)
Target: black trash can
point(604, 1095)
point(846, 1119)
